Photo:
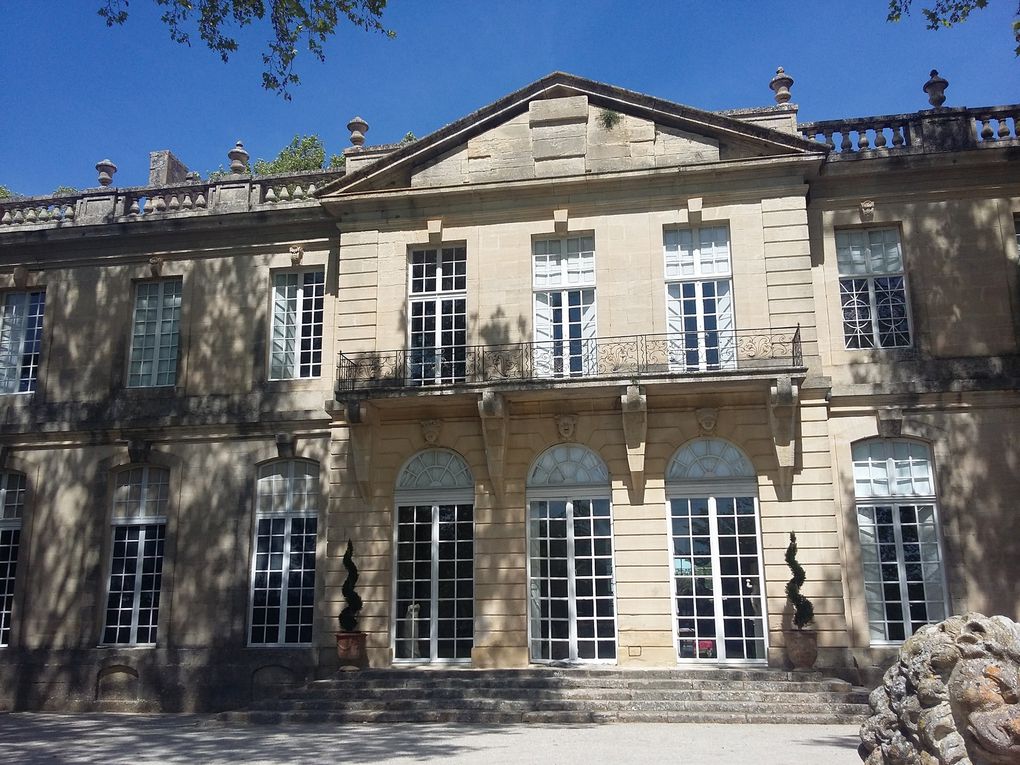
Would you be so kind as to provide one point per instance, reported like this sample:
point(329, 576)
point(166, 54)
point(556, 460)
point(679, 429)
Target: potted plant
point(801, 643)
point(350, 641)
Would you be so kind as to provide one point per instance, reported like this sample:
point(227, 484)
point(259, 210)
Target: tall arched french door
point(715, 536)
point(434, 603)
point(571, 603)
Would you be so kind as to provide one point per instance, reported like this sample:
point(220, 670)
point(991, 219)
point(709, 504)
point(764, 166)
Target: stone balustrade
point(924, 132)
point(38, 210)
point(230, 193)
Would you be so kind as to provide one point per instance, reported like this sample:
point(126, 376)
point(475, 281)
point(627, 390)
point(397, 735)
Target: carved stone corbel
point(285, 446)
point(138, 450)
point(784, 402)
point(493, 411)
point(360, 425)
point(634, 406)
point(430, 430)
point(890, 422)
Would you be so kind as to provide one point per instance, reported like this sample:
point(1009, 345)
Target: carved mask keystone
point(430, 430)
point(565, 425)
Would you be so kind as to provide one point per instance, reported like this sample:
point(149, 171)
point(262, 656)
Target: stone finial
point(780, 85)
point(358, 128)
point(106, 169)
point(238, 158)
point(936, 89)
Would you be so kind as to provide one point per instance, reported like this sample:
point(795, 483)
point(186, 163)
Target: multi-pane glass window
point(435, 559)
point(718, 577)
point(296, 342)
point(897, 514)
point(20, 340)
point(872, 289)
point(12, 501)
point(437, 316)
point(571, 592)
point(155, 334)
point(699, 299)
point(564, 283)
point(136, 558)
point(283, 561)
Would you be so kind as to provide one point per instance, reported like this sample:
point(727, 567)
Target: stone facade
point(574, 272)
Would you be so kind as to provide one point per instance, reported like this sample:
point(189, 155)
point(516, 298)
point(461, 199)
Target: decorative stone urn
point(801, 648)
point(350, 649)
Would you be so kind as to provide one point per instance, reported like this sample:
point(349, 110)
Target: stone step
point(445, 695)
point(560, 696)
point(548, 717)
point(550, 705)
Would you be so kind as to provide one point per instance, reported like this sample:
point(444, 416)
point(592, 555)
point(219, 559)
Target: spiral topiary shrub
point(803, 610)
point(349, 616)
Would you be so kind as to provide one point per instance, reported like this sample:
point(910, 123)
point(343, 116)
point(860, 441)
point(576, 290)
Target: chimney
point(165, 168)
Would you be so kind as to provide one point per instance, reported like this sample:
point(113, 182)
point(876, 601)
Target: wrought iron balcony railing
point(679, 353)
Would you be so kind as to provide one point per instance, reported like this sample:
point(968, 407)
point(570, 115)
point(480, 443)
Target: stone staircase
point(556, 695)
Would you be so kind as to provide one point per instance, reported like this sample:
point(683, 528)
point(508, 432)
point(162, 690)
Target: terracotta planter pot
point(801, 648)
point(350, 649)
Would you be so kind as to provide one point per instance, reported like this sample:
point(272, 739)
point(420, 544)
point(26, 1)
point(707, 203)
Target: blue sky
point(76, 92)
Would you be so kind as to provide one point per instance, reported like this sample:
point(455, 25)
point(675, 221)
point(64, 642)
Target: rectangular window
point(897, 518)
point(283, 562)
point(20, 340)
point(136, 557)
point(565, 320)
point(12, 499)
point(438, 317)
point(872, 289)
point(155, 334)
point(296, 345)
point(699, 299)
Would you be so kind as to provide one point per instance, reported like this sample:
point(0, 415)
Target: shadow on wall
point(63, 567)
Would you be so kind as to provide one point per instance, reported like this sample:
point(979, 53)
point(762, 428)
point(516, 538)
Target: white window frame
point(868, 269)
point(165, 339)
point(20, 343)
point(571, 276)
point(704, 267)
point(547, 483)
point(718, 470)
point(148, 514)
point(920, 475)
point(12, 504)
point(289, 512)
point(450, 364)
point(286, 360)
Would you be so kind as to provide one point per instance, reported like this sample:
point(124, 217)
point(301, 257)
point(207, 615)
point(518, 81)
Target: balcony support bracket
point(360, 423)
point(784, 404)
point(634, 406)
point(492, 409)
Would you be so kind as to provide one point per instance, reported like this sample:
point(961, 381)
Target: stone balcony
point(555, 363)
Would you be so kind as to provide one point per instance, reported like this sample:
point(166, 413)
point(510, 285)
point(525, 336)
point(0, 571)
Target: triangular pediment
point(562, 126)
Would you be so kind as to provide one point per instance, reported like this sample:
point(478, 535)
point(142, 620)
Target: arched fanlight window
point(435, 469)
point(283, 559)
point(572, 601)
point(434, 596)
point(140, 501)
point(568, 465)
point(705, 459)
point(12, 501)
point(718, 570)
point(901, 550)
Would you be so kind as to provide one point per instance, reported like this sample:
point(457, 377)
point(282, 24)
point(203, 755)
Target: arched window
point(283, 558)
point(718, 585)
point(901, 552)
point(140, 499)
point(434, 599)
point(12, 502)
point(572, 604)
